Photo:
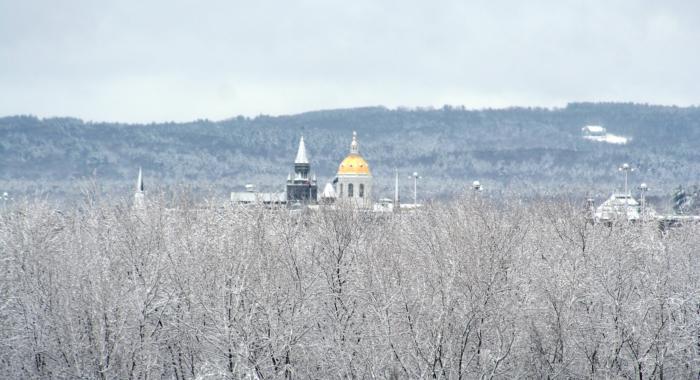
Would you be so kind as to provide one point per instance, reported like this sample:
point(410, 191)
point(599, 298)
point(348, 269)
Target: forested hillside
point(524, 150)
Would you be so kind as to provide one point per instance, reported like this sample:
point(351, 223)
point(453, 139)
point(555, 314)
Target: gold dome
point(354, 164)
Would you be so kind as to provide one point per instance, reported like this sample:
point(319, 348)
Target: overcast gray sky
point(141, 61)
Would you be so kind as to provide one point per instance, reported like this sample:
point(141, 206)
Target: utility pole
point(396, 190)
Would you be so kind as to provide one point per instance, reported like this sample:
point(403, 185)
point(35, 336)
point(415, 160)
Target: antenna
point(396, 188)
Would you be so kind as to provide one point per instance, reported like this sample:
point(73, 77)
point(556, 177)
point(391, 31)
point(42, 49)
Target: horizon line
point(422, 108)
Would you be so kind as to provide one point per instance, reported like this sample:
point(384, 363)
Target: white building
point(252, 196)
point(593, 131)
point(618, 207)
point(599, 134)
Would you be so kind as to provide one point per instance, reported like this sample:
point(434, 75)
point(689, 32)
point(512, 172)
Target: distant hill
point(517, 149)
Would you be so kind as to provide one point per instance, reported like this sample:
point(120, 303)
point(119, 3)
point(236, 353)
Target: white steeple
point(139, 183)
point(139, 195)
point(302, 158)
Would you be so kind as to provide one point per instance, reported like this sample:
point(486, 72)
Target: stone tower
point(301, 188)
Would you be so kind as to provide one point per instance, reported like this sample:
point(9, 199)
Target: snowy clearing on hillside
point(609, 138)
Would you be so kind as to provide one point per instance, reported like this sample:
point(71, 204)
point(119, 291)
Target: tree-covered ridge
point(527, 149)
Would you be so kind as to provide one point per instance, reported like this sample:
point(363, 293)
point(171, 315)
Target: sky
point(173, 60)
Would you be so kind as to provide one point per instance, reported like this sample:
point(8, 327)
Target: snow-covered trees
point(466, 289)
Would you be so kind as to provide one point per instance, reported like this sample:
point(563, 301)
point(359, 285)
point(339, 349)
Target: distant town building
point(352, 185)
point(252, 197)
point(301, 189)
point(384, 205)
point(599, 134)
point(623, 207)
point(354, 179)
point(619, 207)
point(594, 130)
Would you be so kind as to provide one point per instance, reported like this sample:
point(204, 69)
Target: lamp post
point(626, 168)
point(415, 177)
point(5, 197)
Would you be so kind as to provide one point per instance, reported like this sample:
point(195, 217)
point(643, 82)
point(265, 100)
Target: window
point(350, 190)
point(362, 190)
point(341, 189)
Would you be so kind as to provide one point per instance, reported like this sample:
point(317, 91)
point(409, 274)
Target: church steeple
point(302, 158)
point(140, 193)
point(301, 162)
point(139, 183)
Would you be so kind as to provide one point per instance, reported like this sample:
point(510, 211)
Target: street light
point(625, 168)
point(415, 177)
point(397, 201)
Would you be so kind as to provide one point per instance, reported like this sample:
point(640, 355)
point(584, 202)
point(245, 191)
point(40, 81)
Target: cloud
point(181, 60)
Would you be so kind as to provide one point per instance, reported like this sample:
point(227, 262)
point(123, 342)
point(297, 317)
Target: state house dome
point(354, 164)
point(354, 180)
